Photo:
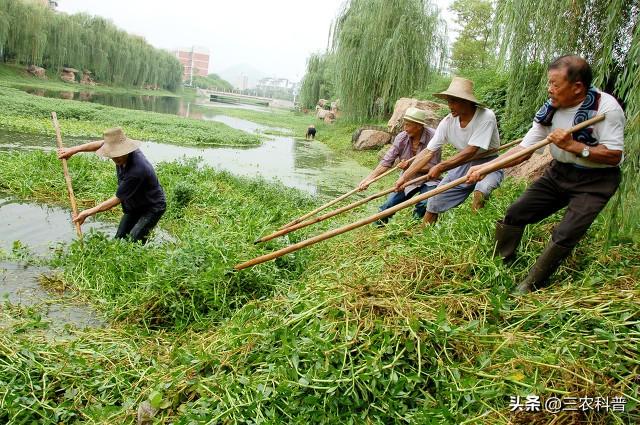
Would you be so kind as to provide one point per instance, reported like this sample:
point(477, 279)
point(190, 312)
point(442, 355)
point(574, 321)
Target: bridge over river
point(228, 96)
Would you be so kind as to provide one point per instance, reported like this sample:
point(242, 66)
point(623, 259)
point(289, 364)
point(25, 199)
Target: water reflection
point(162, 104)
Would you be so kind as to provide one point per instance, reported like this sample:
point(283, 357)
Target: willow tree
point(385, 49)
point(319, 80)
point(4, 31)
point(25, 41)
point(31, 33)
point(471, 49)
point(607, 34)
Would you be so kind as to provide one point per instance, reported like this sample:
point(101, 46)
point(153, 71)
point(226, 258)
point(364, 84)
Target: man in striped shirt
point(407, 144)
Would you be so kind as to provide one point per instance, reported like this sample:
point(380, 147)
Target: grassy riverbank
point(17, 76)
point(26, 113)
point(393, 325)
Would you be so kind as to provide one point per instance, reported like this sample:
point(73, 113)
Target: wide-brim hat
point(116, 144)
point(416, 115)
point(460, 88)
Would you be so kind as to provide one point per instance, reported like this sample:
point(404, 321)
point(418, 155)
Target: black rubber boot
point(545, 265)
point(507, 240)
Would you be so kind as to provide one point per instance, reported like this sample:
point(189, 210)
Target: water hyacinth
point(378, 325)
point(26, 113)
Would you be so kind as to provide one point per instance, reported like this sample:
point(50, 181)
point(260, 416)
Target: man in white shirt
point(472, 130)
point(583, 176)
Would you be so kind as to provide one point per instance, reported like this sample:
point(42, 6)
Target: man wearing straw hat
point(471, 129)
point(139, 192)
point(407, 144)
point(583, 175)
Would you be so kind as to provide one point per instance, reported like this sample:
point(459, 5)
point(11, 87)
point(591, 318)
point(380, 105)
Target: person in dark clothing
point(311, 133)
point(139, 191)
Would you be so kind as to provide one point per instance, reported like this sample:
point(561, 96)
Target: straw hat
point(460, 88)
point(117, 144)
point(415, 115)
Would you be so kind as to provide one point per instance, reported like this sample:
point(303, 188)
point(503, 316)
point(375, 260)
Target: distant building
point(278, 88)
point(244, 82)
point(195, 62)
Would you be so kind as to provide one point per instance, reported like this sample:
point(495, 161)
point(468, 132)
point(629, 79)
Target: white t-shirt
point(609, 132)
point(481, 131)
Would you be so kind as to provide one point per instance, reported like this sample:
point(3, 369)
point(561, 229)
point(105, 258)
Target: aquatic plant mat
point(26, 113)
point(392, 325)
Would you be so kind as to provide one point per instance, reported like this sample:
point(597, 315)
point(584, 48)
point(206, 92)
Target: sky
point(275, 37)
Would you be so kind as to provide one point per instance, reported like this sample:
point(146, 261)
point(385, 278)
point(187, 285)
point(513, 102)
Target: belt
point(582, 167)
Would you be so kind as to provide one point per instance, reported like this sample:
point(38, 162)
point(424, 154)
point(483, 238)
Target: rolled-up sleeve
point(435, 158)
point(611, 131)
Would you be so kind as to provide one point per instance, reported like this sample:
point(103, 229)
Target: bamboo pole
point(334, 212)
point(386, 173)
point(67, 177)
point(339, 198)
point(486, 169)
point(285, 230)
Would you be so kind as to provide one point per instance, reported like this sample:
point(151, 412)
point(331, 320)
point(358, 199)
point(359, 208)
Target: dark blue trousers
point(138, 225)
point(399, 197)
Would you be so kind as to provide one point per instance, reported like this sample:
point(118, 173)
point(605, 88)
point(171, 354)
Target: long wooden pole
point(67, 177)
point(488, 168)
point(334, 212)
point(386, 173)
point(285, 230)
point(339, 198)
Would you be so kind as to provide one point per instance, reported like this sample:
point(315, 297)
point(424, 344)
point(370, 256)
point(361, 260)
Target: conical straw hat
point(116, 144)
point(460, 88)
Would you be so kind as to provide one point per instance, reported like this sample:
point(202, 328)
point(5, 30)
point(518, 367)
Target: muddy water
point(308, 166)
point(58, 311)
point(39, 228)
point(33, 230)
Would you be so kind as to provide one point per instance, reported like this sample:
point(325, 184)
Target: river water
point(308, 166)
point(30, 229)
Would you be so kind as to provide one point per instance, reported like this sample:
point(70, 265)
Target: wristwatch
point(585, 152)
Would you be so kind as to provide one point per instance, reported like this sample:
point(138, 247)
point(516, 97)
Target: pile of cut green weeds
point(393, 325)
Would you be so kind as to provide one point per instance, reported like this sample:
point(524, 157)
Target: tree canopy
point(607, 34)
point(472, 48)
point(34, 34)
point(319, 80)
point(385, 49)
